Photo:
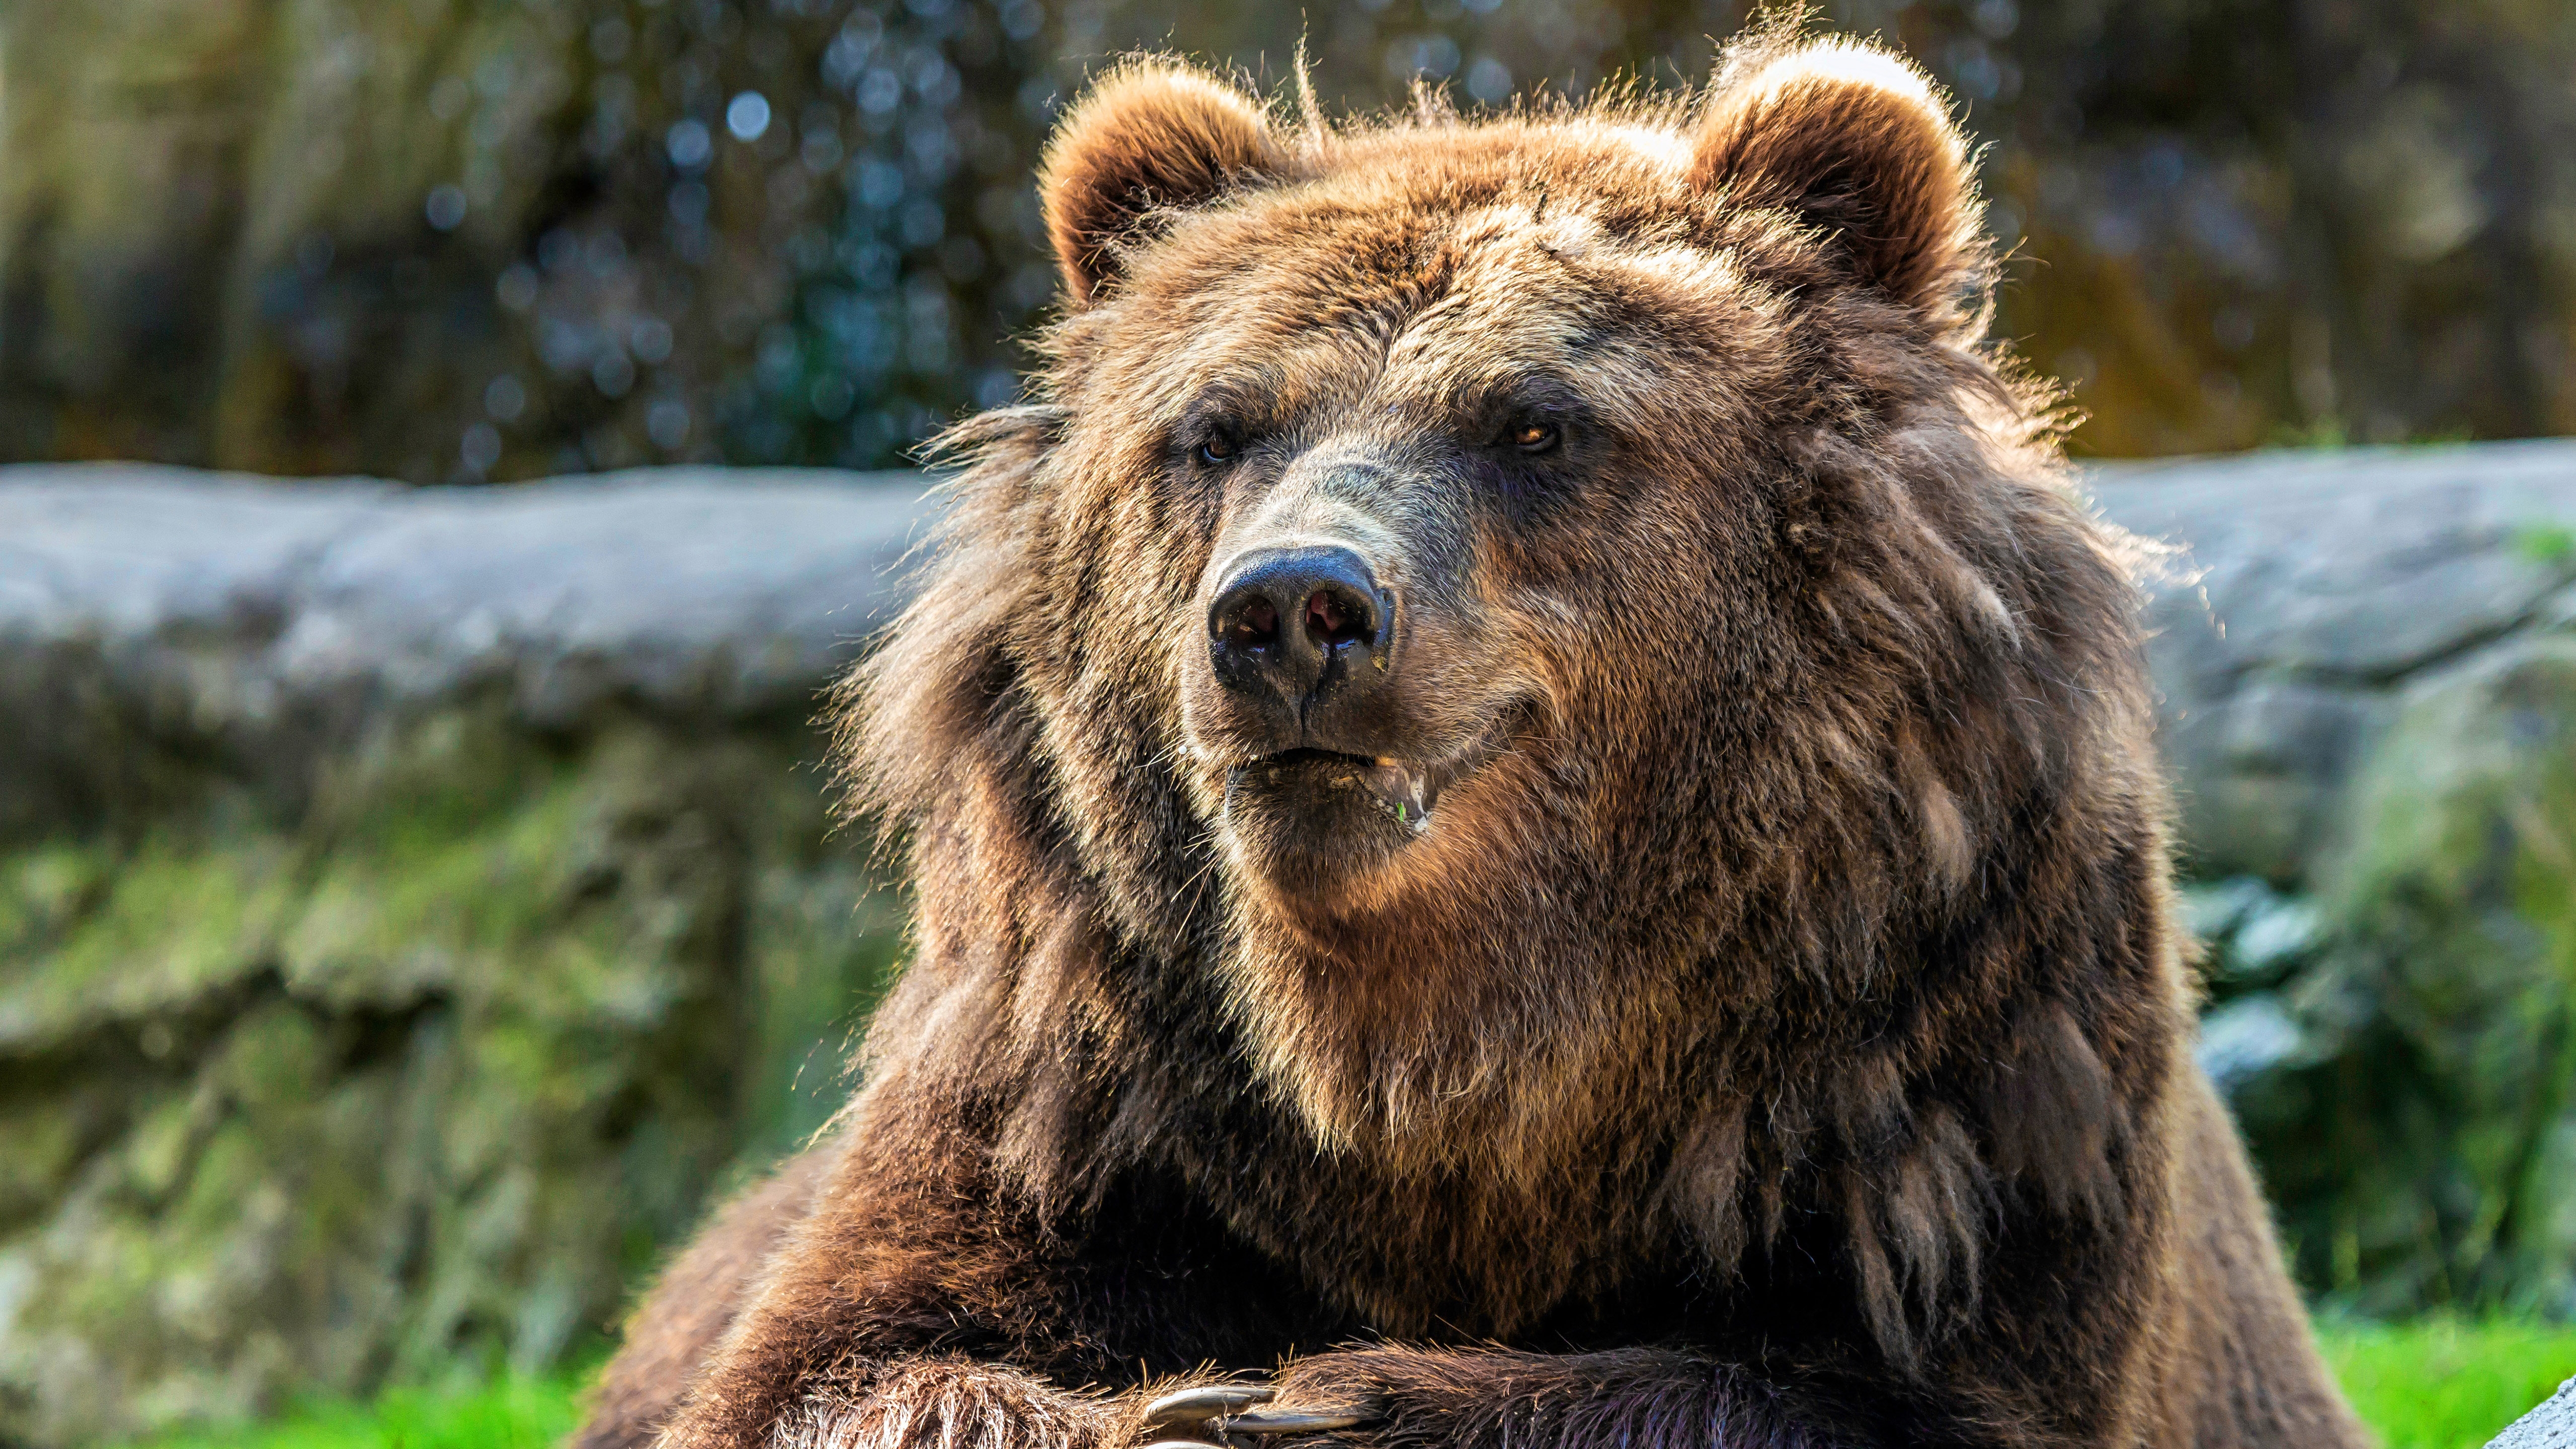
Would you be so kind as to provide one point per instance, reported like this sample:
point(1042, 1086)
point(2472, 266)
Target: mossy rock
point(2423, 1146)
point(418, 1083)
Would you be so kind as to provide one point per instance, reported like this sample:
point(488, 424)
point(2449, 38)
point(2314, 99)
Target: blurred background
point(446, 240)
point(379, 1021)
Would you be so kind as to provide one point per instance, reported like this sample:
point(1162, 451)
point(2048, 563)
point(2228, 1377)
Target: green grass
point(2441, 1383)
point(511, 1413)
point(2435, 1384)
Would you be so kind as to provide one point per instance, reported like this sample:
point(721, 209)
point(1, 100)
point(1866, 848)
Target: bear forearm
point(1641, 1398)
point(844, 1362)
point(921, 1282)
point(920, 1402)
point(868, 1307)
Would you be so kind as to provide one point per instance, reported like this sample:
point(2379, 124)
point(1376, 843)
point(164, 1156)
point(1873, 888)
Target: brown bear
point(1532, 810)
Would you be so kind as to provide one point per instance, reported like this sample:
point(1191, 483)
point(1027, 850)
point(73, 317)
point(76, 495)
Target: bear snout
point(1304, 638)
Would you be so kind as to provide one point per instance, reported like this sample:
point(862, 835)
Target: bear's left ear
point(1153, 136)
point(1857, 141)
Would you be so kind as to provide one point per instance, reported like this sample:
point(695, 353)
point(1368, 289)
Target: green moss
point(44, 889)
point(163, 1145)
point(174, 923)
point(39, 1144)
point(431, 865)
point(825, 942)
point(418, 1079)
point(2546, 543)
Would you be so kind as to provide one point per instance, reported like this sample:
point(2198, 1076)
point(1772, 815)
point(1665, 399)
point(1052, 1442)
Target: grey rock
point(2306, 589)
point(2354, 567)
point(255, 627)
point(2551, 1425)
point(733, 590)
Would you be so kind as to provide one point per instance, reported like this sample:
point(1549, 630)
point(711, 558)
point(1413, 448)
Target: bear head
point(1518, 602)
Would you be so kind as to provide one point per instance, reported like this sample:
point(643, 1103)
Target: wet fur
point(1782, 1040)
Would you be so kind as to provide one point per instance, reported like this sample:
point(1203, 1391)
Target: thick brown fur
point(1777, 1033)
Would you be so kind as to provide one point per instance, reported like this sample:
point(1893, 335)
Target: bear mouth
point(1404, 791)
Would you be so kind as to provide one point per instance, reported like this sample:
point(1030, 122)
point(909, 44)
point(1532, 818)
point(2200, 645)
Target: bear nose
point(1300, 622)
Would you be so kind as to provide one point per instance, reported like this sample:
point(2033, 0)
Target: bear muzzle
point(1305, 656)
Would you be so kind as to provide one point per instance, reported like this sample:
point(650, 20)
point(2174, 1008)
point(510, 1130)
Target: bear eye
point(1216, 450)
point(1534, 437)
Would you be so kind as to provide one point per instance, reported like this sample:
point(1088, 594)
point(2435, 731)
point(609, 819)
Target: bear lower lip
point(1405, 791)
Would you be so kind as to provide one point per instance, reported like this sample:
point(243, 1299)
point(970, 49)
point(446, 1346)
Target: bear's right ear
point(1152, 136)
point(1856, 141)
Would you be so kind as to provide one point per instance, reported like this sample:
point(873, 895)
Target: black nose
point(1300, 622)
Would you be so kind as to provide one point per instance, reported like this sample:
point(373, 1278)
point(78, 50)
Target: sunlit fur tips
point(1151, 136)
point(1858, 142)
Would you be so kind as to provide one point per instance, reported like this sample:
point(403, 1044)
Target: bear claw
point(1226, 1416)
point(1292, 1421)
point(1192, 1406)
